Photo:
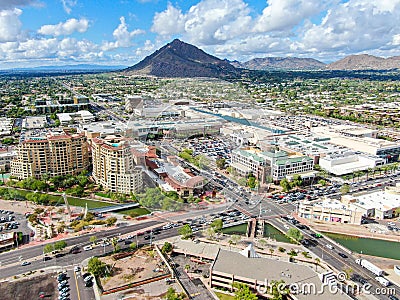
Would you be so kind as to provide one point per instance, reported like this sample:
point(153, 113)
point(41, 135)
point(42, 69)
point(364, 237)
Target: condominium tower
point(113, 165)
point(53, 154)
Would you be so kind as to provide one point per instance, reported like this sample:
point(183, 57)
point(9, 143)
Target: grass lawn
point(104, 195)
point(139, 211)
point(222, 296)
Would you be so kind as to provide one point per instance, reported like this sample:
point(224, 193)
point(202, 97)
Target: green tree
point(111, 221)
point(243, 292)
point(166, 248)
point(96, 266)
point(59, 245)
point(132, 246)
point(294, 234)
point(279, 290)
point(220, 163)
point(93, 239)
point(322, 182)
point(48, 248)
point(185, 231)
point(285, 184)
point(345, 188)
point(217, 225)
point(173, 295)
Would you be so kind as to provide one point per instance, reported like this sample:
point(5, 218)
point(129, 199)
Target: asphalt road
point(11, 261)
point(332, 258)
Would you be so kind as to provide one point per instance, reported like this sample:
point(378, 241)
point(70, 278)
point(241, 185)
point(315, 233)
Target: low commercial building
point(348, 162)
point(133, 102)
point(378, 204)
point(64, 103)
point(179, 129)
point(34, 122)
point(7, 240)
point(113, 165)
point(329, 210)
point(82, 116)
point(387, 150)
point(176, 177)
point(247, 267)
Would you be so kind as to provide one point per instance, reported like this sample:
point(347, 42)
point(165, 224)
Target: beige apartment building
point(54, 154)
point(114, 167)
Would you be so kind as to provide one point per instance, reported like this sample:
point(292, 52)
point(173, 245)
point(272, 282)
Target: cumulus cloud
point(9, 4)
point(280, 15)
point(123, 37)
point(208, 22)
point(68, 27)
point(355, 26)
point(10, 25)
point(68, 4)
point(169, 22)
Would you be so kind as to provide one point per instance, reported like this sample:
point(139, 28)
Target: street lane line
point(77, 287)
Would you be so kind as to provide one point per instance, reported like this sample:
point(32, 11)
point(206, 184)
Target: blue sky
point(122, 32)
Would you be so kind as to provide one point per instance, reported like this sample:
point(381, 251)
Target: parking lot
point(11, 221)
point(213, 148)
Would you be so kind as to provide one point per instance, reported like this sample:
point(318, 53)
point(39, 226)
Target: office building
point(53, 154)
point(273, 165)
point(113, 165)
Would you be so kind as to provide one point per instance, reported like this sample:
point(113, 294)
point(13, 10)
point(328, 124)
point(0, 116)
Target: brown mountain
point(365, 62)
point(281, 63)
point(179, 59)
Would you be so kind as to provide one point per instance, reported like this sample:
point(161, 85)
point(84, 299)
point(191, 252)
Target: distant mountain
point(280, 63)
point(78, 67)
point(365, 62)
point(179, 59)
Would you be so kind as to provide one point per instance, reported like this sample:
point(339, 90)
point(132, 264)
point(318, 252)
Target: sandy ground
point(29, 288)
point(17, 206)
point(134, 268)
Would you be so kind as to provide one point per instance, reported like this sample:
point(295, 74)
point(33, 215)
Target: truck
point(382, 281)
point(370, 266)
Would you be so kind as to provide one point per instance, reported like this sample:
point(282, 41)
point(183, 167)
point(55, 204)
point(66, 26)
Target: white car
point(87, 248)
point(329, 246)
point(77, 268)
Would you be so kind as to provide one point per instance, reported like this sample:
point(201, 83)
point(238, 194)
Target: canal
point(269, 231)
point(368, 246)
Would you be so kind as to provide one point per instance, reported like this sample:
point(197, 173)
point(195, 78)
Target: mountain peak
point(180, 59)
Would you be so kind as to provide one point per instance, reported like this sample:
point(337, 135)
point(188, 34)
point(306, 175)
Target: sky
point(122, 32)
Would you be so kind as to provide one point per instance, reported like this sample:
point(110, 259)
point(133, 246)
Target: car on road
point(77, 269)
point(87, 248)
point(342, 255)
point(329, 246)
point(25, 263)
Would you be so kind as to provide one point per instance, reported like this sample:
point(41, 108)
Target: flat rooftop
point(262, 269)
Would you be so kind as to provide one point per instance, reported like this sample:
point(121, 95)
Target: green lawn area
point(104, 195)
point(222, 296)
point(139, 211)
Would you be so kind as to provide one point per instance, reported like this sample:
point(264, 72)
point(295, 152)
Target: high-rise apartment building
point(53, 154)
point(114, 167)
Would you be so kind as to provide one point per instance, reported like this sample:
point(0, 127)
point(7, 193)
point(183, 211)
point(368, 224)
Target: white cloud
point(169, 22)
point(68, 27)
point(355, 26)
point(208, 22)
point(281, 15)
point(123, 37)
point(10, 25)
point(68, 4)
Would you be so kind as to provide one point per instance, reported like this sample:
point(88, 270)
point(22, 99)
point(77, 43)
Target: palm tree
point(271, 251)
point(317, 262)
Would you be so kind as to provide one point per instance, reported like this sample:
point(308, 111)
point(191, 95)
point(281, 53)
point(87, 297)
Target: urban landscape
point(185, 176)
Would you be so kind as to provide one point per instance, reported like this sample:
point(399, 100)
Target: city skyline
point(37, 33)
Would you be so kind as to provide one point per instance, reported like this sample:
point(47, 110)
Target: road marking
point(77, 287)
